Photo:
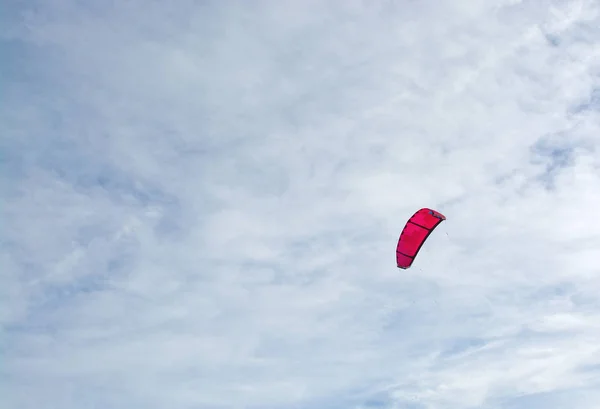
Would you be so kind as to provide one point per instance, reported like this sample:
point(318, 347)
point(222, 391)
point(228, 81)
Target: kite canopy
point(414, 234)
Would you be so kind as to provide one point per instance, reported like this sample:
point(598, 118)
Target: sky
point(201, 202)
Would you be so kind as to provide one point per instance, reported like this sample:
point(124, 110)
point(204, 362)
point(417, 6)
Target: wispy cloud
point(201, 203)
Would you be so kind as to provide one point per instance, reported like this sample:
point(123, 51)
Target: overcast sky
point(202, 199)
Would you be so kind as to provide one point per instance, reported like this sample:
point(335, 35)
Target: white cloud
point(202, 203)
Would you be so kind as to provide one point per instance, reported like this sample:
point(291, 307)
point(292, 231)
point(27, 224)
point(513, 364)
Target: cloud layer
point(202, 201)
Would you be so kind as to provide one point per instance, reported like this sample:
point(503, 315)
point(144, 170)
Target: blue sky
point(201, 202)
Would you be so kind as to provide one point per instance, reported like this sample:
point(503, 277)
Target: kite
point(415, 232)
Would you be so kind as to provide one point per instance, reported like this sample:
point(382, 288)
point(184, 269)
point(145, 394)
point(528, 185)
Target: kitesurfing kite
point(414, 234)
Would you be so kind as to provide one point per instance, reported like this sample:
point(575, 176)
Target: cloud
point(202, 200)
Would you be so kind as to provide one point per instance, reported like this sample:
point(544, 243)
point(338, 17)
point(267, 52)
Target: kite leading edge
point(415, 233)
